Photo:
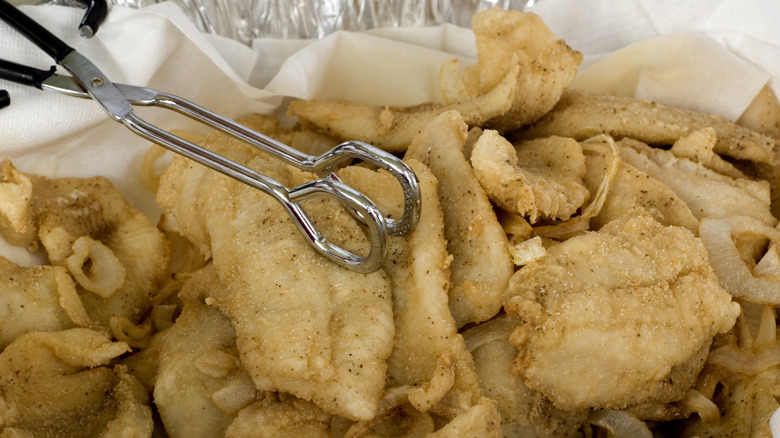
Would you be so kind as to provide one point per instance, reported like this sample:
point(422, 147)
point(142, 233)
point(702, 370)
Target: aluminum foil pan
point(246, 20)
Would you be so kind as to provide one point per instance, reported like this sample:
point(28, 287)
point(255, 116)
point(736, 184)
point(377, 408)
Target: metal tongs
point(87, 81)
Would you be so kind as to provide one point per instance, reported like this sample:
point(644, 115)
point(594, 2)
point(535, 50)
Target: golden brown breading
point(538, 179)
point(38, 298)
point(198, 363)
point(482, 420)
point(116, 254)
point(763, 114)
point(426, 338)
point(286, 417)
point(706, 193)
point(481, 263)
point(618, 317)
point(524, 412)
point(304, 325)
point(582, 115)
point(699, 147)
point(509, 39)
point(632, 187)
point(58, 384)
point(521, 71)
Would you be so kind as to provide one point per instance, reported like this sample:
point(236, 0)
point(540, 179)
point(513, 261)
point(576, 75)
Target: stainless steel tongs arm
point(116, 104)
point(118, 100)
point(290, 199)
point(319, 165)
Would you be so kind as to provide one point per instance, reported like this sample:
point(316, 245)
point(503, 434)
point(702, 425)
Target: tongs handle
point(45, 40)
point(358, 204)
point(97, 10)
point(22, 74)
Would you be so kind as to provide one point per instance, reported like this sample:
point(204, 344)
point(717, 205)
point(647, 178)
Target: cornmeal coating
point(618, 317)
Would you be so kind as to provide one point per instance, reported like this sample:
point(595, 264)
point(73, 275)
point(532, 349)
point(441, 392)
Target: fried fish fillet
point(634, 188)
point(280, 416)
point(670, 184)
point(481, 264)
point(763, 114)
point(547, 66)
point(38, 298)
point(197, 364)
point(201, 388)
point(59, 384)
point(618, 317)
point(699, 146)
point(481, 420)
point(707, 193)
point(304, 325)
point(538, 179)
point(521, 71)
point(524, 412)
point(116, 254)
point(582, 115)
point(418, 266)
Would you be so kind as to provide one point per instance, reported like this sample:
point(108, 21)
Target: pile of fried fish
point(584, 264)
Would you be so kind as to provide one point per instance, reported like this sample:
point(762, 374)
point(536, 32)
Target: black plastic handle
point(22, 74)
point(53, 46)
point(97, 10)
point(5, 99)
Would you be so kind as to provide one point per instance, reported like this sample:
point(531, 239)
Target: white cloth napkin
point(706, 55)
